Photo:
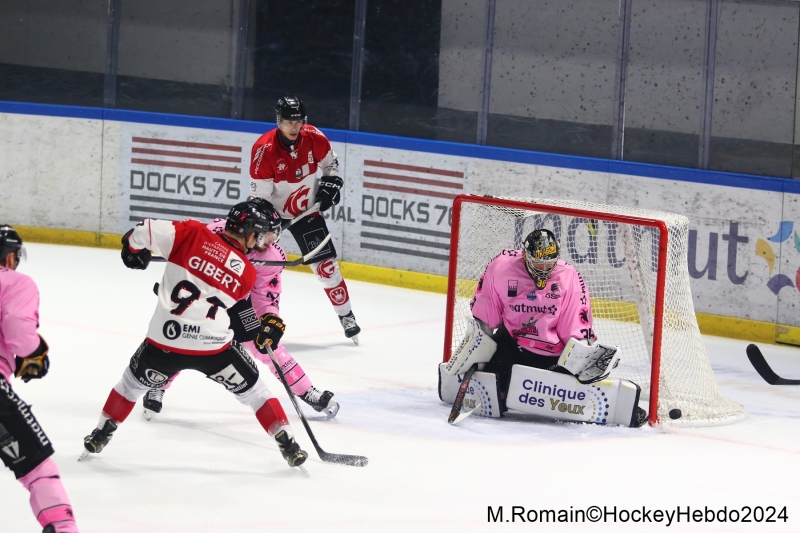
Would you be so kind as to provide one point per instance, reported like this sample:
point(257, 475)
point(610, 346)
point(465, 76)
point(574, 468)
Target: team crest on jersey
point(512, 287)
point(297, 202)
point(528, 330)
point(281, 166)
point(310, 157)
point(235, 264)
point(531, 295)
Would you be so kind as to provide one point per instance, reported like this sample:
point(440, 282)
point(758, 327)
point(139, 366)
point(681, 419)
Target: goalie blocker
point(550, 395)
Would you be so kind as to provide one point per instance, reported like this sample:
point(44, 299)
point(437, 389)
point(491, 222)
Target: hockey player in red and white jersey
point(24, 447)
point(206, 274)
point(264, 299)
point(283, 169)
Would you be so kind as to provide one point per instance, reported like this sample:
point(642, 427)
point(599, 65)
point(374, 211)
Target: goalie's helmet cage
point(634, 263)
point(541, 255)
point(290, 107)
point(10, 242)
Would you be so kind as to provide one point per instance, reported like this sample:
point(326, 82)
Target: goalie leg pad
point(588, 363)
point(477, 347)
point(562, 397)
point(482, 388)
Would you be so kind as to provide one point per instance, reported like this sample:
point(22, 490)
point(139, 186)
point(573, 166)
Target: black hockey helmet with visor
point(11, 242)
point(541, 255)
point(274, 220)
point(245, 218)
point(290, 107)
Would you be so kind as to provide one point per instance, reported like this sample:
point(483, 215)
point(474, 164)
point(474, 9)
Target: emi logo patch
point(235, 264)
point(171, 330)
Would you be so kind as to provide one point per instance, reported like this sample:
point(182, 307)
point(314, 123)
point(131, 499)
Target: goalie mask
point(541, 254)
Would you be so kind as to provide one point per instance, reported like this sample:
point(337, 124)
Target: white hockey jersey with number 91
point(204, 276)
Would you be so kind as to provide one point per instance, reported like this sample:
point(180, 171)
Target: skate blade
point(148, 414)
point(302, 469)
point(330, 412)
point(84, 455)
point(354, 338)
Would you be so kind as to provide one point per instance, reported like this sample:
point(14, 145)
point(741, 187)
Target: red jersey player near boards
point(283, 169)
point(206, 274)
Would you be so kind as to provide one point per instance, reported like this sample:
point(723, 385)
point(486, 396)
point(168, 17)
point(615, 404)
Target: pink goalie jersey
point(541, 321)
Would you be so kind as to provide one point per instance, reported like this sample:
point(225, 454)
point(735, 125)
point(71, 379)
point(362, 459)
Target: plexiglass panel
point(53, 51)
point(664, 84)
point(553, 76)
point(754, 88)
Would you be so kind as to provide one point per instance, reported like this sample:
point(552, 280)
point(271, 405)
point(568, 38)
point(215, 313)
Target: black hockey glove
point(329, 192)
point(270, 332)
point(244, 322)
point(135, 260)
point(34, 366)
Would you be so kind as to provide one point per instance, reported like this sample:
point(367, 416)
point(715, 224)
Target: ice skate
point(321, 402)
point(290, 449)
point(152, 403)
point(99, 438)
point(351, 329)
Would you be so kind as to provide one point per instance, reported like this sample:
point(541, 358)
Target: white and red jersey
point(541, 321)
point(288, 179)
point(205, 275)
point(266, 293)
point(19, 319)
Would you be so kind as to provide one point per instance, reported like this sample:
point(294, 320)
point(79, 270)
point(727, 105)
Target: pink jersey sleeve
point(19, 318)
point(486, 306)
point(576, 313)
point(266, 293)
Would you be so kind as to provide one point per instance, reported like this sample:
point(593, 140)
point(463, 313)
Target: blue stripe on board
point(728, 179)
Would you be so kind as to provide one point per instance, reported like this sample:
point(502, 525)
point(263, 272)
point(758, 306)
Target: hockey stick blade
point(763, 368)
point(465, 414)
point(300, 261)
point(338, 458)
point(462, 390)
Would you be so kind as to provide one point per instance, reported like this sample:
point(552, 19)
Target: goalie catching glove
point(34, 366)
point(270, 332)
point(477, 347)
point(589, 364)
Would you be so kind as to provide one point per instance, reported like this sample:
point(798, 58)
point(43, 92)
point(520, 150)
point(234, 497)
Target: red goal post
point(629, 296)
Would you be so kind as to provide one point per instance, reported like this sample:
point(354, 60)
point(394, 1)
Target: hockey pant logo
point(230, 378)
point(154, 377)
point(245, 355)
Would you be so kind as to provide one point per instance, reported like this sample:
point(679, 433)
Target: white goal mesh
point(616, 250)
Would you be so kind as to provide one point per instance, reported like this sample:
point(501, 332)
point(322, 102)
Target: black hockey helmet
point(245, 218)
point(274, 220)
point(541, 254)
point(10, 241)
point(290, 107)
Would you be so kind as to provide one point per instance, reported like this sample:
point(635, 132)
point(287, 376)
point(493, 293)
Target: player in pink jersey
point(283, 169)
point(265, 299)
point(24, 447)
point(531, 303)
point(206, 275)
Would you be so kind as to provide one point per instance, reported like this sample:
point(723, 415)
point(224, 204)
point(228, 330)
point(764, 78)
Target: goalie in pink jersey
point(24, 447)
point(193, 326)
point(264, 299)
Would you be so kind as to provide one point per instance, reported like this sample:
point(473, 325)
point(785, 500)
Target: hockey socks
point(49, 501)
point(272, 417)
point(117, 407)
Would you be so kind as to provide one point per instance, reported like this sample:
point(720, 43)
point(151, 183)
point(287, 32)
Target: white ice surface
point(206, 465)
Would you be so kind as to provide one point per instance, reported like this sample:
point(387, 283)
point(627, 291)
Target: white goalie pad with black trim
point(588, 364)
point(482, 389)
point(477, 347)
point(562, 397)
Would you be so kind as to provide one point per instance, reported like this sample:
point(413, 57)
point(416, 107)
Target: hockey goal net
point(634, 262)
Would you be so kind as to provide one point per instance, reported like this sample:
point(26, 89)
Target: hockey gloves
point(138, 260)
point(270, 332)
point(34, 366)
point(329, 191)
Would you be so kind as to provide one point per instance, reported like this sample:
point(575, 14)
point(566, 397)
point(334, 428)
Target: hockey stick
point(764, 370)
point(350, 460)
point(300, 261)
point(454, 417)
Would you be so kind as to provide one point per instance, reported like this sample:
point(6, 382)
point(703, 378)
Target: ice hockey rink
point(206, 465)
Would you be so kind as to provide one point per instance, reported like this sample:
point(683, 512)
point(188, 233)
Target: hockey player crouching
point(534, 345)
point(205, 274)
point(264, 299)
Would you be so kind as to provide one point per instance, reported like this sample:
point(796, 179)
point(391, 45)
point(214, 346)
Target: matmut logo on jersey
point(235, 264)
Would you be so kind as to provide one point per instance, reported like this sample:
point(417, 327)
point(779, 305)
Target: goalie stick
point(300, 261)
point(764, 370)
point(338, 458)
point(455, 417)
